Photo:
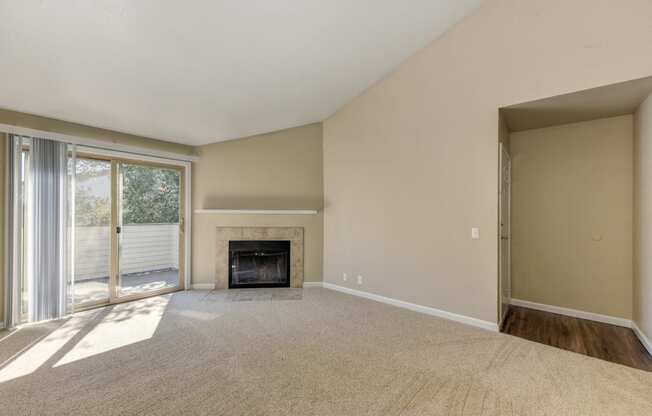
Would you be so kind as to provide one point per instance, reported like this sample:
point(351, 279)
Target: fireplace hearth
point(259, 263)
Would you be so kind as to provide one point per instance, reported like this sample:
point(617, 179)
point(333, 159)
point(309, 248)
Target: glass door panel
point(149, 215)
point(23, 309)
point(92, 231)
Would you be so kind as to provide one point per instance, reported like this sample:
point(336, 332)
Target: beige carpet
point(293, 352)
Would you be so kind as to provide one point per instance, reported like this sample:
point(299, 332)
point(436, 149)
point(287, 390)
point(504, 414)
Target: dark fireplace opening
point(259, 264)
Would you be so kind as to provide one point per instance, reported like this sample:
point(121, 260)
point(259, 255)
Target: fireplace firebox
point(259, 264)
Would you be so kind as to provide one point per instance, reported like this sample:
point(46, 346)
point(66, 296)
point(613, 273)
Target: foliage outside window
point(150, 195)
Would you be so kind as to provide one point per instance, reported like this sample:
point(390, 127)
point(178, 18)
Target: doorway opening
point(571, 187)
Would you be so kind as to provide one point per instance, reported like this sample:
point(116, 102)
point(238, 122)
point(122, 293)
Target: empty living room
point(326, 207)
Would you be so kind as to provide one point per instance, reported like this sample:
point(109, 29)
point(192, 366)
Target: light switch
point(475, 233)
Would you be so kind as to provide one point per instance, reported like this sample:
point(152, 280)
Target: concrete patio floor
point(96, 290)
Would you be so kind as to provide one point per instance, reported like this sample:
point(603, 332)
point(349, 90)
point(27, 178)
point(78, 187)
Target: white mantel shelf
point(259, 211)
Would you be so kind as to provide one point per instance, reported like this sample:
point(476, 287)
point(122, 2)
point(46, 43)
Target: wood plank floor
point(607, 342)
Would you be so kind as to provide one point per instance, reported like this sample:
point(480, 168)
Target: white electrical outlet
point(475, 233)
point(345, 277)
point(359, 279)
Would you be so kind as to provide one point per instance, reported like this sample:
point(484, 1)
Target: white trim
point(502, 318)
point(313, 284)
point(98, 144)
point(187, 221)
point(479, 323)
point(642, 337)
point(574, 313)
point(505, 161)
point(6, 237)
point(119, 154)
point(202, 286)
point(259, 211)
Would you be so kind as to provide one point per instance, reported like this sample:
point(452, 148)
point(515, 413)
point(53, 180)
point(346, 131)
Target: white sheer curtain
point(42, 184)
point(48, 243)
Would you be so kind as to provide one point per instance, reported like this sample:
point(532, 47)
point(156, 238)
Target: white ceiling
point(196, 72)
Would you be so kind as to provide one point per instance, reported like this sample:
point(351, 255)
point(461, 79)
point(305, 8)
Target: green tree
point(93, 178)
point(150, 195)
point(91, 210)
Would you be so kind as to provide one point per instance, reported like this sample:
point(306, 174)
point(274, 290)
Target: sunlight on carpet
point(38, 353)
point(126, 324)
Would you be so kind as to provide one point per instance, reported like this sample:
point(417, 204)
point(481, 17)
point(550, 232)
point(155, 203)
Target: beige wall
point(62, 127)
point(281, 170)
point(572, 195)
point(643, 217)
point(411, 164)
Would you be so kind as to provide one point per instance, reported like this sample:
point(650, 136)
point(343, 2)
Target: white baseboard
point(574, 313)
point(490, 326)
point(202, 286)
point(647, 343)
point(313, 284)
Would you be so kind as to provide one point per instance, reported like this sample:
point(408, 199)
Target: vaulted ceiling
point(203, 71)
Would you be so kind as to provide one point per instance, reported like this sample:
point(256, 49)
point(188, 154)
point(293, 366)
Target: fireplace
point(225, 235)
point(259, 263)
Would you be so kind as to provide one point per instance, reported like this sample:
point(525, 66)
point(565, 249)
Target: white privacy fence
point(145, 247)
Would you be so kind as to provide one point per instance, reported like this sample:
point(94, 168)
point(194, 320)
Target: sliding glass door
point(89, 228)
point(92, 231)
point(129, 239)
point(149, 228)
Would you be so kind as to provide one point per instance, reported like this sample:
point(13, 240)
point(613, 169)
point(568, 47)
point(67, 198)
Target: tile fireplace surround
point(225, 234)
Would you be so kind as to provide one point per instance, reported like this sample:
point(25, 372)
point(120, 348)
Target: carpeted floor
point(297, 352)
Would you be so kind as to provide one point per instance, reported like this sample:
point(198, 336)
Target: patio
point(96, 290)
